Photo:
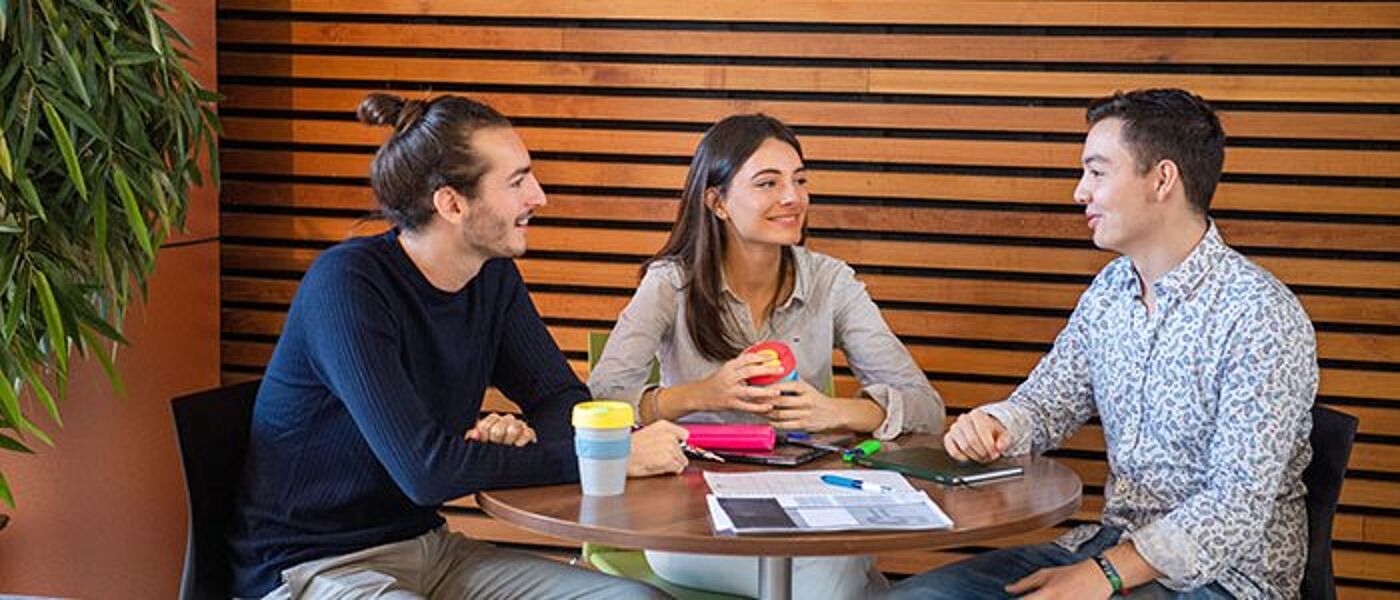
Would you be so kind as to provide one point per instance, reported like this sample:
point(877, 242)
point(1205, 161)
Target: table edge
point(810, 544)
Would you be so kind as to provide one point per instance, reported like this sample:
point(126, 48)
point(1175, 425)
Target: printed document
point(794, 501)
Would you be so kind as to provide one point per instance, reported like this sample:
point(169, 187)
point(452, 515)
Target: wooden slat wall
point(944, 140)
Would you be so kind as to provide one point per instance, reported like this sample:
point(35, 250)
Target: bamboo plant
point(101, 133)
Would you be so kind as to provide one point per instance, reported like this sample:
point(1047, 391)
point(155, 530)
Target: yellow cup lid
point(603, 414)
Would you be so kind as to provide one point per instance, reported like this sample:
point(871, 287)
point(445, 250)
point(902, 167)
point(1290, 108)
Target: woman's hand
point(502, 429)
point(800, 407)
point(725, 389)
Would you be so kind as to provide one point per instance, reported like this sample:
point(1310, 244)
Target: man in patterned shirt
point(1202, 368)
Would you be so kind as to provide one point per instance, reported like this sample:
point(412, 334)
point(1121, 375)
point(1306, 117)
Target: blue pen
point(804, 439)
point(855, 484)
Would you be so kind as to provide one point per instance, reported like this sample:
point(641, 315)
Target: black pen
point(701, 452)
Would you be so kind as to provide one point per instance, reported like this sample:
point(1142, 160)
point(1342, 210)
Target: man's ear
point(1166, 179)
point(715, 203)
point(449, 204)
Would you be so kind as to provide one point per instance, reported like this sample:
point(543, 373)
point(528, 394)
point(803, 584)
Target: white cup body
point(602, 459)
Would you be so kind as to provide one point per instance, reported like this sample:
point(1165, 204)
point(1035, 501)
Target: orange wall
point(102, 514)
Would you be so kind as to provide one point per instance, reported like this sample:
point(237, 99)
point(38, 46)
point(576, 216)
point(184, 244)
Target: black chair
point(1332, 435)
point(211, 428)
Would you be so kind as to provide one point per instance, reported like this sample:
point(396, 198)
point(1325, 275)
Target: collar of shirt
point(1187, 276)
point(799, 288)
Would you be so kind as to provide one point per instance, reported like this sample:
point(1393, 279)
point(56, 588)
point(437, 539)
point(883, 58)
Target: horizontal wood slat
point(899, 116)
point(929, 82)
point(887, 46)
point(1362, 15)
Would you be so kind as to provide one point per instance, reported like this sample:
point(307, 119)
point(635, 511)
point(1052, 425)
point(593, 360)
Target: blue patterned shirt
point(1205, 403)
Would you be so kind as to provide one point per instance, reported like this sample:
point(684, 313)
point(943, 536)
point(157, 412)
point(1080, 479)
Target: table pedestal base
point(775, 577)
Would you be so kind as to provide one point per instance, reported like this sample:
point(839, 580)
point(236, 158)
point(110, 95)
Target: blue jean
point(987, 574)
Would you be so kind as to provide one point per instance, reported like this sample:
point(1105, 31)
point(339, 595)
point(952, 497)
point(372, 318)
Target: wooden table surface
point(669, 512)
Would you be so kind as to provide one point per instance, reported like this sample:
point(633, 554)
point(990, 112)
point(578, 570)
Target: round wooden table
point(670, 513)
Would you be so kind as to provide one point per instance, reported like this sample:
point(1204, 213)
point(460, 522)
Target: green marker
point(861, 450)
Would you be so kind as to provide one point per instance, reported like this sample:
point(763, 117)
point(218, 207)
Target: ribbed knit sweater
point(358, 432)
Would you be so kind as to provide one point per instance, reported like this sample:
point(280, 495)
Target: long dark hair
point(430, 148)
point(697, 240)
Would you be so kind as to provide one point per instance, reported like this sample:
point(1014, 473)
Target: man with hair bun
point(1200, 365)
point(367, 418)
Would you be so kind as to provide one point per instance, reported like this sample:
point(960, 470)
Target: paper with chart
point(793, 501)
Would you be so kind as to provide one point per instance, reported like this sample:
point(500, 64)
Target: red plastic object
point(781, 353)
point(747, 436)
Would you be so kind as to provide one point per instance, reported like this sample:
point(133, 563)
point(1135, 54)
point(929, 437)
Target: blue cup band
point(602, 449)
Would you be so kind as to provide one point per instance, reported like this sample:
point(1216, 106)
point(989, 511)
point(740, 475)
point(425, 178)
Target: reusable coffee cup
point(602, 440)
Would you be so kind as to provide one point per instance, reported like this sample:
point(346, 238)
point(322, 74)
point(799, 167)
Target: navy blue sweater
point(357, 435)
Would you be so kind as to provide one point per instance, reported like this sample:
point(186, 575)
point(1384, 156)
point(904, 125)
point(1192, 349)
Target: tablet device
point(934, 464)
point(788, 454)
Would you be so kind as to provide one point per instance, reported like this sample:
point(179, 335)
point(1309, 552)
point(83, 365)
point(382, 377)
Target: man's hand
point(656, 449)
point(806, 409)
point(502, 429)
point(1071, 582)
point(976, 436)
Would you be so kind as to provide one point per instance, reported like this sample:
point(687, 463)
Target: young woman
point(734, 273)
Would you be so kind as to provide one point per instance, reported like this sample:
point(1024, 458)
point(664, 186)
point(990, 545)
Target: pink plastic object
point(731, 437)
point(780, 354)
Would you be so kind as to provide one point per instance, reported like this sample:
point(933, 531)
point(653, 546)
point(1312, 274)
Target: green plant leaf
point(134, 218)
point(7, 168)
point(50, 13)
point(153, 30)
point(70, 67)
point(52, 319)
point(31, 197)
point(108, 365)
point(5, 491)
point(130, 58)
point(41, 392)
point(13, 312)
point(99, 225)
point(75, 115)
point(9, 404)
point(107, 330)
point(92, 7)
point(13, 445)
point(214, 160)
point(65, 146)
point(26, 426)
point(10, 71)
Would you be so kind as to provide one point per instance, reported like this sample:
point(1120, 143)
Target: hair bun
point(387, 109)
point(380, 109)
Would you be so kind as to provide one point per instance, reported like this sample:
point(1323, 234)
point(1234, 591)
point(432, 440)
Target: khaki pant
point(443, 564)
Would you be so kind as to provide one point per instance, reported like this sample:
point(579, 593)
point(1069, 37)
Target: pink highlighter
point(745, 436)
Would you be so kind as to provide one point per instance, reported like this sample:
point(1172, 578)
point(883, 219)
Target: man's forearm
point(1132, 567)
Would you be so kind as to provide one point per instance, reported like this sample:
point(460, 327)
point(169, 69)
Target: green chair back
point(597, 340)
